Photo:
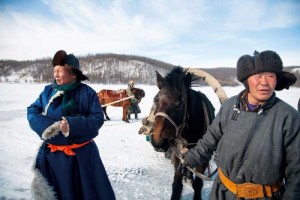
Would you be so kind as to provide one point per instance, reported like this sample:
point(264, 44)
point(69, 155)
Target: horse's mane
point(180, 80)
point(177, 76)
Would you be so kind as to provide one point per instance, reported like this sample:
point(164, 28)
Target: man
point(130, 86)
point(134, 107)
point(255, 136)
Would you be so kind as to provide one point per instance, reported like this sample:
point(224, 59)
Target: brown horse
point(118, 98)
point(180, 118)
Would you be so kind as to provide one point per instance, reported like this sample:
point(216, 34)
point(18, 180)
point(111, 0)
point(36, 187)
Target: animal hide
point(40, 188)
point(51, 131)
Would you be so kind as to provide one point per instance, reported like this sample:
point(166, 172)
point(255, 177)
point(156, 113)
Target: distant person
point(67, 116)
point(255, 136)
point(130, 86)
point(134, 108)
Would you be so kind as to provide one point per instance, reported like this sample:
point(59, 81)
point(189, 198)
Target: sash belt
point(67, 149)
point(249, 190)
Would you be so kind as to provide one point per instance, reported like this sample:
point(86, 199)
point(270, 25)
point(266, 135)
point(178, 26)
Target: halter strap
point(169, 119)
point(177, 128)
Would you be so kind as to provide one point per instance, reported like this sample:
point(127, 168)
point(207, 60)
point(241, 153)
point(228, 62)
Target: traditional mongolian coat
point(68, 177)
point(260, 147)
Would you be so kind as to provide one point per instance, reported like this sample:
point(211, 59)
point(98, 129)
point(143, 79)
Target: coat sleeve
point(292, 152)
point(88, 124)
point(206, 146)
point(37, 121)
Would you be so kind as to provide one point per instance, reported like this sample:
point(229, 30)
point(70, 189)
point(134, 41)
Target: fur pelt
point(57, 94)
point(40, 189)
point(51, 131)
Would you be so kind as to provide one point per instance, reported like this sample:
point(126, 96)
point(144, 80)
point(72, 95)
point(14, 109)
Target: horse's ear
point(159, 80)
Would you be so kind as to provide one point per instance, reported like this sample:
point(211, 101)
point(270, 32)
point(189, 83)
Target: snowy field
point(136, 171)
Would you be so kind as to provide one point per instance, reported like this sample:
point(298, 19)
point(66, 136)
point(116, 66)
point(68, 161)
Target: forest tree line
point(113, 69)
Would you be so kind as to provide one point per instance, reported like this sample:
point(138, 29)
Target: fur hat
point(266, 61)
point(62, 58)
point(59, 58)
point(71, 60)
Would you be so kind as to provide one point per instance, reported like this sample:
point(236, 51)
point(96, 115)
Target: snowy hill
point(100, 68)
point(111, 69)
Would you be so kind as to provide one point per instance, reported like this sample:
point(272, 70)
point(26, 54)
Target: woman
point(67, 116)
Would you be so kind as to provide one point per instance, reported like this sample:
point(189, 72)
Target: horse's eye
point(155, 99)
point(178, 103)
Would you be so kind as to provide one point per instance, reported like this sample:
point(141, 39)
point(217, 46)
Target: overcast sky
point(190, 33)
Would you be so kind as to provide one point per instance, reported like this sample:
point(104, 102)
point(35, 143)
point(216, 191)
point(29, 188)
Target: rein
point(117, 101)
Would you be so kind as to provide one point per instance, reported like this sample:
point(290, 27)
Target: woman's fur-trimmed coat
point(57, 175)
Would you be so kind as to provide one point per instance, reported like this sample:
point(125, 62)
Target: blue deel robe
point(60, 176)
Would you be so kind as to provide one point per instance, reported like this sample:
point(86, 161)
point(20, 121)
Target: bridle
point(178, 128)
point(181, 143)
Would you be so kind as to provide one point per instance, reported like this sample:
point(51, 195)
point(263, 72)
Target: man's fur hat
point(266, 61)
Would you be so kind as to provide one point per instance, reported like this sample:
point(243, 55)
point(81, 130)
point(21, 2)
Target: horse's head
point(138, 93)
point(170, 108)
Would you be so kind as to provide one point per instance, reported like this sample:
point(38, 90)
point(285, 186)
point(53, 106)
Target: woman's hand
point(64, 127)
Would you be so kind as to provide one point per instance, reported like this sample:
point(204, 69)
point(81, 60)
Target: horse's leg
point(177, 182)
point(129, 111)
point(197, 186)
point(198, 183)
point(105, 113)
point(125, 108)
point(128, 115)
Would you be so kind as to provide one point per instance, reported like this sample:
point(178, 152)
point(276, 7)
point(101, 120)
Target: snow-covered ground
point(136, 171)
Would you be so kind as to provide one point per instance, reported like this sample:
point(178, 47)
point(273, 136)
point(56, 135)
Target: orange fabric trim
point(67, 149)
point(249, 190)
